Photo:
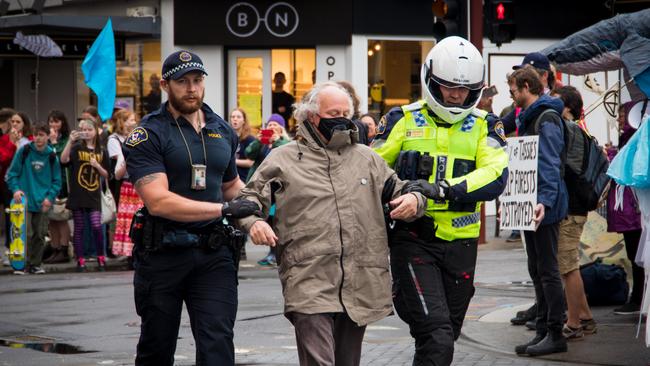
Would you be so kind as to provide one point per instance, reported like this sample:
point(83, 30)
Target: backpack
point(584, 165)
point(605, 284)
point(26, 151)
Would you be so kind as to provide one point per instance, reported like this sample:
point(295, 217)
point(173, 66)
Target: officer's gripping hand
point(404, 207)
point(262, 234)
point(432, 191)
point(238, 208)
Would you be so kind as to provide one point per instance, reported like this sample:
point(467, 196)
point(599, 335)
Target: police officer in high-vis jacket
point(460, 151)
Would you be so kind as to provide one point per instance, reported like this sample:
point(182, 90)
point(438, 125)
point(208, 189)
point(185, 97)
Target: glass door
point(249, 84)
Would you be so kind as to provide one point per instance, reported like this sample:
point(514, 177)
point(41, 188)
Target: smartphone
point(83, 135)
point(490, 91)
point(267, 133)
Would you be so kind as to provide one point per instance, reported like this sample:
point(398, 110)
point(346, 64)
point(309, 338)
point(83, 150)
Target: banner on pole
point(519, 198)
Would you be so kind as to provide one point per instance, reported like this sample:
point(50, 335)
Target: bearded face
point(186, 103)
point(186, 93)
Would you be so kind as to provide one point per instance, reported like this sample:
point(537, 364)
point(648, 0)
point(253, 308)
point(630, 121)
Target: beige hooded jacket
point(332, 248)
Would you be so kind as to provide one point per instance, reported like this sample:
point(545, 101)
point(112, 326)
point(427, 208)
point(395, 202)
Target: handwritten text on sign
point(519, 198)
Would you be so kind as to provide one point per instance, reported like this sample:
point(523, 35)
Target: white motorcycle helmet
point(453, 62)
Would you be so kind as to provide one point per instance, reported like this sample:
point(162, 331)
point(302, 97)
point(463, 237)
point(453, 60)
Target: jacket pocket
point(306, 242)
point(372, 283)
point(372, 278)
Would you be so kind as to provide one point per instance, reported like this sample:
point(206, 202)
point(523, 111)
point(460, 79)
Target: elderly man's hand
point(262, 234)
point(404, 207)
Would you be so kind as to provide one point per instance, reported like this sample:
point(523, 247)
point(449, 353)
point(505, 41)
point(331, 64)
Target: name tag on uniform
point(198, 177)
point(421, 133)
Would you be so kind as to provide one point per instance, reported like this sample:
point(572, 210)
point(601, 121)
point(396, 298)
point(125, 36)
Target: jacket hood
point(540, 105)
point(308, 133)
point(46, 151)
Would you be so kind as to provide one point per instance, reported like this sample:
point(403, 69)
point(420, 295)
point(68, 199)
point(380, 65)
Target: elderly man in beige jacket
point(329, 227)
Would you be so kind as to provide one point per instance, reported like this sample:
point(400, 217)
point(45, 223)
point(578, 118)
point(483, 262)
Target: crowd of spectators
point(64, 173)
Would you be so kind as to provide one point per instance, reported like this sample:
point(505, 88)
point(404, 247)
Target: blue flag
point(99, 70)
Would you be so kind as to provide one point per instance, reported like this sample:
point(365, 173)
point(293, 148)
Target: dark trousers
point(206, 280)
point(329, 339)
point(632, 239)
point(433, 283)
point(541, 247)
point(37, 223)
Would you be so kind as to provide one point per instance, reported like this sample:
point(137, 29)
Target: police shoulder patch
point(381, 128)
point(138, 135)
point(500, 130)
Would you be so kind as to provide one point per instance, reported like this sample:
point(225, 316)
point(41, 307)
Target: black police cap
point(180, 63)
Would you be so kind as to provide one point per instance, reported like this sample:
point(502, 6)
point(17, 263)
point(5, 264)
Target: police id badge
point(198, 177)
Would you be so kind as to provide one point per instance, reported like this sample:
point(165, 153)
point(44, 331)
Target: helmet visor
point(469, 102)
point(449, 84)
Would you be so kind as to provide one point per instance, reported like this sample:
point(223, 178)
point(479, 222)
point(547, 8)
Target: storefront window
point(394, 73)
point(138, 77)
point(298, 66)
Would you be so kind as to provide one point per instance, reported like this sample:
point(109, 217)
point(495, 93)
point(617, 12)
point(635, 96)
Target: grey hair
point(310, 103)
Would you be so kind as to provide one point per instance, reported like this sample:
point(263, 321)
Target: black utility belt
point(152, 233)
point(179, 239)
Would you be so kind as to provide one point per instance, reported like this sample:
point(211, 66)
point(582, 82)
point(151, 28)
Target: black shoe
point(525, 315)
point(521, 349)
point(548, 345)
point(628, 309)
point(52, 253)
point(531, 324)
point(36, 270)
point(514, 237)
point(81, 267)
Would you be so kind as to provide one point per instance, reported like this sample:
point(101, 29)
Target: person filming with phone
point(271, 136)
point(88, 161)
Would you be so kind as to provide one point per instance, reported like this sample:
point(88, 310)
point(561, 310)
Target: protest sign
point(519, 198)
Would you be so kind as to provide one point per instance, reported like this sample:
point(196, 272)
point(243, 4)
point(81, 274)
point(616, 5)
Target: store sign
point(330, 63)
point(71, 48)
point(263, 22)
point(243, 19)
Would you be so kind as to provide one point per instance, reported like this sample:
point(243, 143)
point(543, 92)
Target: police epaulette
point(479, 113)
point(415, 106)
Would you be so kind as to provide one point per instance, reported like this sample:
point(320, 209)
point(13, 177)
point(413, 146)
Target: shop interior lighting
point(370, 52)
point(377, 46)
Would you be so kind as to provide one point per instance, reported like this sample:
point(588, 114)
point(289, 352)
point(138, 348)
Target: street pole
point(476, 37)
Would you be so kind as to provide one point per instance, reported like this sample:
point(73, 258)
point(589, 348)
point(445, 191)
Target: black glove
point(239, 208)
point(432, 191)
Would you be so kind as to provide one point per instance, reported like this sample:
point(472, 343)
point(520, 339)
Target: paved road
point(95, 312)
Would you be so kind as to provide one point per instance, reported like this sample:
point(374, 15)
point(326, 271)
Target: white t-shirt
point(114, 146)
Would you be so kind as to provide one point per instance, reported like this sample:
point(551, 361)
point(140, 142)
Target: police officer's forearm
point(160, 201)
point(178, 208)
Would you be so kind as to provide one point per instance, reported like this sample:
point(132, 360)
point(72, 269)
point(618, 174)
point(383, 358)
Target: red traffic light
point(501, 12)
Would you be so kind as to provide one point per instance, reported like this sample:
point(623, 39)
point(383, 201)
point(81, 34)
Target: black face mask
point(327, 126)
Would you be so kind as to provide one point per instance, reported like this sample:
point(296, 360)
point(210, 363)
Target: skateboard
point(18, 235)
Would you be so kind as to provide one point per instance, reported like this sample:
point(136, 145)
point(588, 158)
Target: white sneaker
point(20, 273)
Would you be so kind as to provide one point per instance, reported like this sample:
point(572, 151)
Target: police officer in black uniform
point(182, 161)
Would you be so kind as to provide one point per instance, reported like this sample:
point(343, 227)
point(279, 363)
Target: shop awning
point(76, 25)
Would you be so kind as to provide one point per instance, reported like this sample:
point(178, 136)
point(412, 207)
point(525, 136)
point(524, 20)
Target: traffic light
point(500, 21)
point(449, 18)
